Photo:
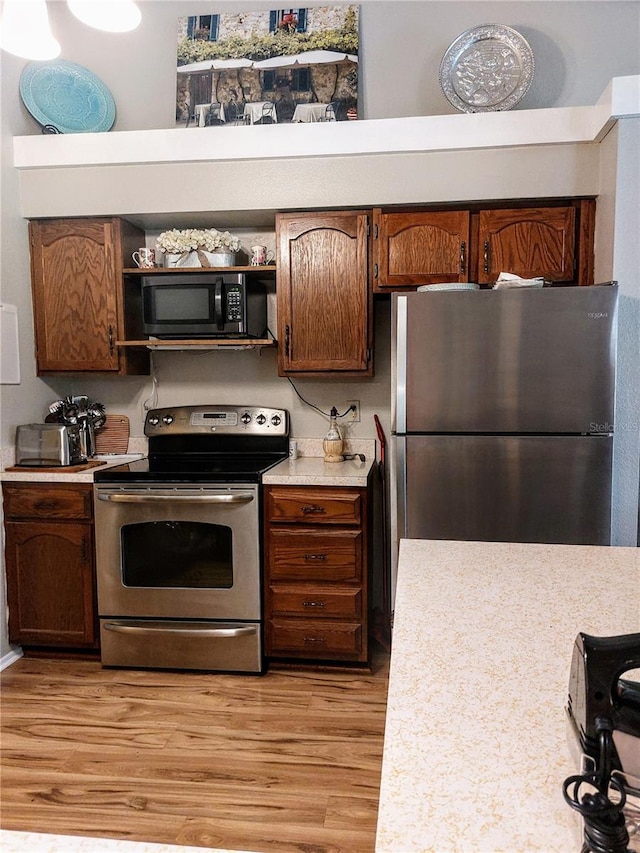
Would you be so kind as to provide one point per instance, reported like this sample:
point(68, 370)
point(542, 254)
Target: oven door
point(178, 575)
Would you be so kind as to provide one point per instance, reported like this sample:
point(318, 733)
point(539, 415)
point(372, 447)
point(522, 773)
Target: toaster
point(49, 445)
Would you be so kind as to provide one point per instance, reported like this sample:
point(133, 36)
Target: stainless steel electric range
point(178, 540)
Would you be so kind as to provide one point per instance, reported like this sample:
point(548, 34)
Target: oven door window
point(177, 554)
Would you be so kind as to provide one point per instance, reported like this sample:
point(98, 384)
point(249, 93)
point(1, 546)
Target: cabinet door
point(424, 247)
point(324, 312)
point(50, 588)
point(79, 310)
point(530, 242)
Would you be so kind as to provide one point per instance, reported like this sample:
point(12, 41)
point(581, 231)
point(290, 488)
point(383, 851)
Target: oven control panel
point(228, 420)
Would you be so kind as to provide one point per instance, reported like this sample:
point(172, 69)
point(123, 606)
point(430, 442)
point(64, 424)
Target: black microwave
point(203, 305)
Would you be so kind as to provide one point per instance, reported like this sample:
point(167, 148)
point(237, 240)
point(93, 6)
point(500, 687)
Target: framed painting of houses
point(288, 65)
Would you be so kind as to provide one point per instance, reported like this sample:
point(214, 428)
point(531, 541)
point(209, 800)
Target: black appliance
point(178, 540)
point(603, 712)
point(204, 305)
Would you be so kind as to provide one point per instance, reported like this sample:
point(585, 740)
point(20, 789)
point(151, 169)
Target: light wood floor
point(289, 761)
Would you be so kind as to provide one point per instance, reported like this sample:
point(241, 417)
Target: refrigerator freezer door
point(552, 489)
point(519, 360)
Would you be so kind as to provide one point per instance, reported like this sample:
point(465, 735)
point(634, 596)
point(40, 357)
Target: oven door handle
point(130, 498)
point(141, 628)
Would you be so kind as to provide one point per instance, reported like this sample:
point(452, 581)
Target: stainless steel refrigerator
point(502, 415)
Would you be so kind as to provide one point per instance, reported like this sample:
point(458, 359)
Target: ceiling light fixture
point(112, 16)
point(25, 31)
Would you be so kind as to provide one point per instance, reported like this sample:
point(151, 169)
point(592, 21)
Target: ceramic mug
point(145, 258)
point(260, 255)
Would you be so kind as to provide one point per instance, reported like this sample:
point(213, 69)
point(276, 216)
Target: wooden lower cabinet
point(50, 565)
point(316, 573)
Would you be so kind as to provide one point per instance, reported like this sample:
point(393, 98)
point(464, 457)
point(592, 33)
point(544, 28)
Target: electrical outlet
point(353, 416)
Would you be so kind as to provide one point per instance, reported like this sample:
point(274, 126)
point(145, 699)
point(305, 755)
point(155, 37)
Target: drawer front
point(315, 555)
point(314, 506)
point(315, 639)
point(73, 502)
point(318, 603)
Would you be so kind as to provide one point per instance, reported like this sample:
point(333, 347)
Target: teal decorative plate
point(67, 96)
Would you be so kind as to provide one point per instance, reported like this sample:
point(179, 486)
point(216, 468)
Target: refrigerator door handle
point(401, 365)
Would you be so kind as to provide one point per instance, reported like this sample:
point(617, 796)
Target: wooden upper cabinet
point(78, 298)
point(323, 297)
point(529, 242)
point(476, 243)
point(420, 248)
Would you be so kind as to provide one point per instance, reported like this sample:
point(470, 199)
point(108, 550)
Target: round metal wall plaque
point(488, 68)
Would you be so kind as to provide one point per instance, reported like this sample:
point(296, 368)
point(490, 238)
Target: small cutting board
point(114, 435)
point(55, 469)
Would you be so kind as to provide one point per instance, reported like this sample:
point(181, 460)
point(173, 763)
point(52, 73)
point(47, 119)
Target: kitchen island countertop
point(475, 747)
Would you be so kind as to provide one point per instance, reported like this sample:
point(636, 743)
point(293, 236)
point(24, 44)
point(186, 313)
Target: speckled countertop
point(475, 749)
point(137, 448)
point(309, 469)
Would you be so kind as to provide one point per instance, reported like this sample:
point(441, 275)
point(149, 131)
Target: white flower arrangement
point(175, 242)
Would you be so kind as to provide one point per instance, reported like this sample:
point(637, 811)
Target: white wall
point(579, 47)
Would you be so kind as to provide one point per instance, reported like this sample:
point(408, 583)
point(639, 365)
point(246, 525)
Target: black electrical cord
point(604, 823)
point(307, 403)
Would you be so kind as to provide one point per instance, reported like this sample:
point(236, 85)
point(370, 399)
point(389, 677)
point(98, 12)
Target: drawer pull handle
point(314, 640)
point(310, 508)
point(315, 556)
point(313, 603)
point(45, 505)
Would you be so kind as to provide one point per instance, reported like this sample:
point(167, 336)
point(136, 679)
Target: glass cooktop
point(183, 468)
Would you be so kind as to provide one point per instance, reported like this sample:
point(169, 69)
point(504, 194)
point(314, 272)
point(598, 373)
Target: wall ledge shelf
point(547, 126)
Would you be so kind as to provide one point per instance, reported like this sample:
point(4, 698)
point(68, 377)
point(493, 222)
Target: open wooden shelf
point(270, 268)
point(201, 343)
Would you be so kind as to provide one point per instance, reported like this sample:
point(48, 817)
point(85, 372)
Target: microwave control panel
point(234, 305)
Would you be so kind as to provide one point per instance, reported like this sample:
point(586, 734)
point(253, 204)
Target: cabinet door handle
point(287, 335)
point(463, 256)
point(313, 603)
point(83, 551)
point(111, 344)
point(486, 255)
point(313, 508)
point(315, 556)
point(375, 270)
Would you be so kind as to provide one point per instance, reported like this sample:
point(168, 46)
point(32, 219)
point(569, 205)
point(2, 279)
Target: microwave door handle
point(219, 304)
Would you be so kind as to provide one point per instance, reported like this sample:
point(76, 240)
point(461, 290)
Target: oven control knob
point(261, 419)
point(275, 420)
point(245, 418)
point(167, 419)
point(154, 420)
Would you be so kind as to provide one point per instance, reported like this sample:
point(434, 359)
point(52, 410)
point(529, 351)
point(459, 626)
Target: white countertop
point(475, 749)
